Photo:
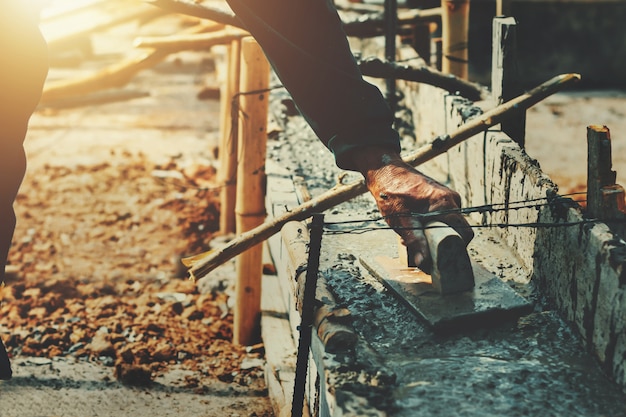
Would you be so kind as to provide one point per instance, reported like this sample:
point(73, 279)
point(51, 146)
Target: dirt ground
point(100, 318)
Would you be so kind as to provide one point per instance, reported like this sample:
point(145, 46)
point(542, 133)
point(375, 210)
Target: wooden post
point(391, 19)
point(503, 7)
point(505, 83)
point(605, 198)
point(229, 107)
point(250, 206)
point(308, 313)
point(422, 42)
point(455, 26)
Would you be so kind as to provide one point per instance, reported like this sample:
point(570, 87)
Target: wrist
point(369, 159)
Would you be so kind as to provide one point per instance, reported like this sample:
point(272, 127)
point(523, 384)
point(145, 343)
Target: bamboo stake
point(374, 67)
point(115, 75)
point(200, 265)
point(454, 27)
point(228, 132)
point(198, 41)
point(503, 7)
point(371, 26)
point(250, 206)
point(191, 8)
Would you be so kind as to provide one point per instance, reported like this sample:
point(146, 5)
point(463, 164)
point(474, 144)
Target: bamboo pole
point(202, 264)
point(191, 8)
point(373, 25)
point(228, 132)
point(64, 33)
point(117, 74)
point(374, 67)
point(503, 7)
point(454, 26)
point(199, 41)
point(250, 206)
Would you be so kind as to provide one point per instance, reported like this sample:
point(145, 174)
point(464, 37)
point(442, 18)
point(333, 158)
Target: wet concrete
point(534, 365)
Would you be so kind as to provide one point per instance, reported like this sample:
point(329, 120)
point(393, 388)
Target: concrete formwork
point(391, 363)
point(579, 267)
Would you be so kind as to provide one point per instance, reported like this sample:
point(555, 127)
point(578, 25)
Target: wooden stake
point(203, 11)
point(454, 25)
point(250, 206)
point(199, 41)
point(201, 264)
point(374, 67)
point(228, 130)
point(505, 75)
point(605, 198)
point(308, 311)
point(503, 7)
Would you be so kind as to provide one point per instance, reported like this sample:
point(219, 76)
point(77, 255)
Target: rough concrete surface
point(532, 366)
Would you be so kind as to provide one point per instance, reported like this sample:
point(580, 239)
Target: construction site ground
point(101, 320)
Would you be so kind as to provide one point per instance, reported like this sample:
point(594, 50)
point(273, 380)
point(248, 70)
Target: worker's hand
point(399, 189)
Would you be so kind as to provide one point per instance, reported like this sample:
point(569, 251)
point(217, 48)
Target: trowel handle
point(451, 266)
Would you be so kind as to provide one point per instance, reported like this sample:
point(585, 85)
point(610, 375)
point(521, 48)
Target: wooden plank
point(490, 302)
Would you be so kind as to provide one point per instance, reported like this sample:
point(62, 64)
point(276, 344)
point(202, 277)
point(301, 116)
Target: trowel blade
point(491, 300)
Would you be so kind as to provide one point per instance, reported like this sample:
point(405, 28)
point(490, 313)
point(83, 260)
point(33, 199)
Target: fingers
point(412, 233)
point(399, 191)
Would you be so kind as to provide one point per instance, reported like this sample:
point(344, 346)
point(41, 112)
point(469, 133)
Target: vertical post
point(505, 83)
point(250, 206)
point(605, 198)
point(229, 137)
point(391, 18)
point(455, 29)
point(308, 310)
point(503, 7)
point(422, 42)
